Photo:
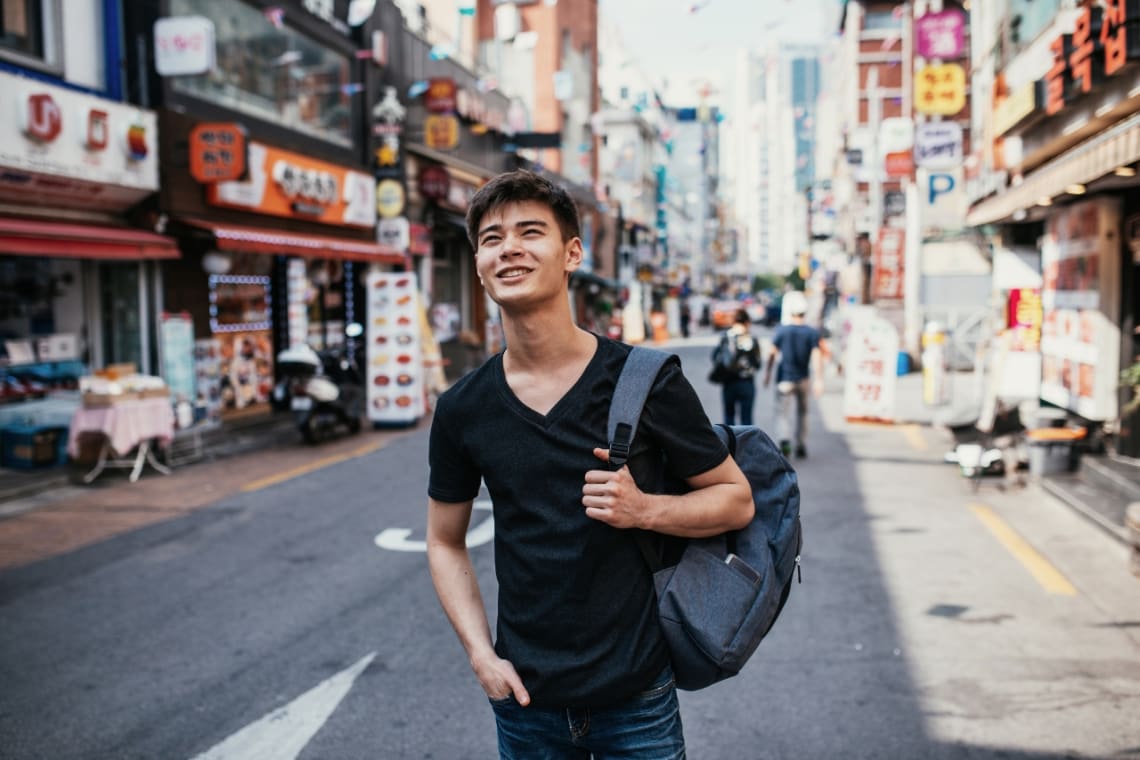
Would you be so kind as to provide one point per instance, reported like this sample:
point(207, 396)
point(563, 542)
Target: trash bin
point(1053, 450)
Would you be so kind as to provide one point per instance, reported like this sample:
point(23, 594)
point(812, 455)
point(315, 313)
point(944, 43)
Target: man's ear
point(574, 254)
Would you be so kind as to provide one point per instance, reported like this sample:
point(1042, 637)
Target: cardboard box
point(100, 400)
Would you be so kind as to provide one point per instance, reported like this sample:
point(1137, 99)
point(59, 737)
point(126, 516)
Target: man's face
point(521, 257)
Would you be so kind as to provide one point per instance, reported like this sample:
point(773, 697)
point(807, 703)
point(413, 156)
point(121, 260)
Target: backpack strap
point(630, 394)
point(633, 385)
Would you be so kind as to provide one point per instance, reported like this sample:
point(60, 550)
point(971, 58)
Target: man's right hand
point(499, 679)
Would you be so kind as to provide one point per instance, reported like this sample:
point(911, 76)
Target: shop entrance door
point(119, 312)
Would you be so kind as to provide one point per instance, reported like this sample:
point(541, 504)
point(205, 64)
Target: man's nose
point(512, 244)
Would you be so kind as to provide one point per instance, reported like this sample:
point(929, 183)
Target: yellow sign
point(441, 132)
point(1020, 103)
point(389, 198)
point(940, 90)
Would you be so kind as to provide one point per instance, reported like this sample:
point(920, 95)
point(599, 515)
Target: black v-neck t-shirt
point(576, 610)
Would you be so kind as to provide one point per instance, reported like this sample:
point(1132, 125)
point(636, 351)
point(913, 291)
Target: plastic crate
point(28, 447)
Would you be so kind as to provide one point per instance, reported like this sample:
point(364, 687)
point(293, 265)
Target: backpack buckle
point(619, 446)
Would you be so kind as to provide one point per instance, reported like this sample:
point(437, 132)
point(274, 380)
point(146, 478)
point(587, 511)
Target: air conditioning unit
point(508, 23)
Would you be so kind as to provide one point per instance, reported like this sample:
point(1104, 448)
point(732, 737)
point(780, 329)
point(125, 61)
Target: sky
point(692, 43)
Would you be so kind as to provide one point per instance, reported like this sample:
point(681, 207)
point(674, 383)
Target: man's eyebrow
point(524, 223)
point(489, 228)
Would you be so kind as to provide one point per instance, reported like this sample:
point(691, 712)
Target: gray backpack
point(717, 597)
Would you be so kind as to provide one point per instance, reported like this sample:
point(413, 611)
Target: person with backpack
point(578, 664)
point(736, 359)
point(796, 348)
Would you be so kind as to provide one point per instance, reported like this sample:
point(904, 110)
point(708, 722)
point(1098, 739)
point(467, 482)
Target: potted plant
point(1128, 439)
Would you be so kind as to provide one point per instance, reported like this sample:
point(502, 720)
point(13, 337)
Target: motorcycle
point(323, 390)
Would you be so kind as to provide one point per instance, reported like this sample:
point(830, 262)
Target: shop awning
point(1116, 146)
point(37, 237)
point(238, 239)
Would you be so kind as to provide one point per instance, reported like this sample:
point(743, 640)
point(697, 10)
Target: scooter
point(325, 390)
point(998, 451)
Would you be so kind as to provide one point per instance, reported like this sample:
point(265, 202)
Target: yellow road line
point(914, 436)
point(1040, 568)
point(281, 477)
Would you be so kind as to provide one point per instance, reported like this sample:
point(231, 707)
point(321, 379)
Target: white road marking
point(283, 733)
point(396, 539)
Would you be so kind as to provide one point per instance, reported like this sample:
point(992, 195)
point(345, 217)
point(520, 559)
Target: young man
point(797, 347)
point(578, 666)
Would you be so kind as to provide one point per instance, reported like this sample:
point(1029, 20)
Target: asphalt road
point(932, 622)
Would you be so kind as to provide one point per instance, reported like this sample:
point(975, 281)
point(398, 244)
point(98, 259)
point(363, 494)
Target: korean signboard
point(940, 90)
point(217, 152)
point(870, 368)
point(940, 35)
point(183, 45)
point(938, 144)
point(1102, 42)
point(283, 183)
point(889, 264)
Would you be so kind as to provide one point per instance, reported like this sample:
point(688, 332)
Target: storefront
point(1068, 139)
point(77, 278)
point(270, 261)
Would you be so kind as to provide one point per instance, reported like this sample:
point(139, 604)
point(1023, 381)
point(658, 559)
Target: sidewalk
point(1100, 488)
point(22, 490)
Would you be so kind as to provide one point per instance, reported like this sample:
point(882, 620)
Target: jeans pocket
point(662, 684)
point(502, 701)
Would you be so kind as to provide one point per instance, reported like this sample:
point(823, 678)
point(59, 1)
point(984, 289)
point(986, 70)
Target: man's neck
point(543, 340)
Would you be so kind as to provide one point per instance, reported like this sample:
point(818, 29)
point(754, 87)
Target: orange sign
point(940, 90)
point(899, 163)
point(217, 152)
point(441, 132)
point(282, 183)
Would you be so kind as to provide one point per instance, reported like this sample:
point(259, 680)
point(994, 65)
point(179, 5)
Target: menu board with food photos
point(395, 353)
point(1079, 254)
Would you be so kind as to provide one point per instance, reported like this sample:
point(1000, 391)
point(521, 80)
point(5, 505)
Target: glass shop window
point(29, 33)
point(269, 71)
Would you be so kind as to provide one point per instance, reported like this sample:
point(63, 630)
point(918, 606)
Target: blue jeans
point(738, 393)
point(645, 727)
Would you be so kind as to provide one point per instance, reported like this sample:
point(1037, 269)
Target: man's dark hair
point(741, 317)
point(519, 187)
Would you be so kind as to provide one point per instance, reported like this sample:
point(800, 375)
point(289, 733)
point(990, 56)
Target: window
point(29, 33)
point(882, 20)
point(272, 72)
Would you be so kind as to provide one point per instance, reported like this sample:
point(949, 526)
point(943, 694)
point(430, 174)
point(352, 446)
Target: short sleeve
point(453, 476)
point(675, 418)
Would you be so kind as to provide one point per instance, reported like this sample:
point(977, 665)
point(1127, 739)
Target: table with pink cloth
point(126, 425)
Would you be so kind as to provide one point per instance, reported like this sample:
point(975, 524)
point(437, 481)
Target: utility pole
point(874, 120)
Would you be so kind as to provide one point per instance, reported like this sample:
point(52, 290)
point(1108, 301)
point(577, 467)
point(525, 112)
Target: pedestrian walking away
point(738, 357)
point(578, 667)
point(796, 353)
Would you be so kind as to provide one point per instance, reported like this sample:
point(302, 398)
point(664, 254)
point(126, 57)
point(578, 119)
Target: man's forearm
point(458, 590)
point(720, 500)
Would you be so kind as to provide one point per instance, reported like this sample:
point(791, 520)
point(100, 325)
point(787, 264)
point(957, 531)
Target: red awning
point(36, 237)
point(230, 237)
